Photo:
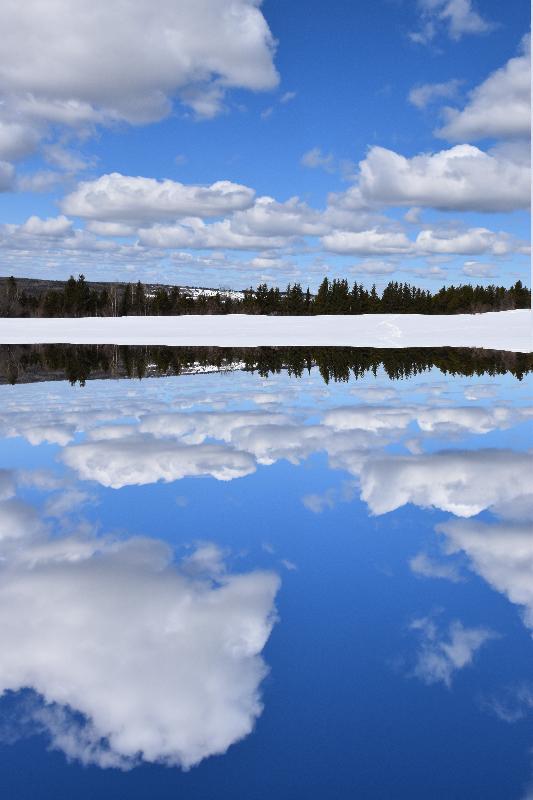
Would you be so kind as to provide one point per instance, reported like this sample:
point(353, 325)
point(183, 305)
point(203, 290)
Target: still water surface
point(243, 585)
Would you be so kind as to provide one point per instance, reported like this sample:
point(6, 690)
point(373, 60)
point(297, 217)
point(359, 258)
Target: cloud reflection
point(135, 656)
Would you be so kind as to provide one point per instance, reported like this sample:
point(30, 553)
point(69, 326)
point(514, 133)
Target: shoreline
point(493, 330)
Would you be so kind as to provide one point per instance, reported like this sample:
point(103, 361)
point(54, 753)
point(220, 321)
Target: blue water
point(220, 586)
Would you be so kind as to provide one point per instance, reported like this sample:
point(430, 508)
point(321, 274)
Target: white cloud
point(475, 269)
point(193, 233)
point(375, 394)
point(287, 97)
point(16, 140)
point(480, 391)
point(430, 419)
point(270, 443)
point(266, 224)
point(466, 242)
point(369, 242)
point(316, 159)
point(456, 18)
point(17, 520)
point(441, 655)
point(41, 479)
point(462, 178)
point(41, 181)
point(161, 661)
point(53, 433)
point(433, 273)
point(53, 226)
point(121, 198)
point(512, 705)
point(196, 427)
point(110, 228)
point(105, 63)
point(498, 108)
point(428, 567)
point(317, 503)
point(501, 553)
point(421, 96)
point(69, 161)
point(374, 267)
point(267, 217)
point(461, 17)
point(430, 241)
point(129, 61)
point(413, 216)
point(369, 418)
point(66, 502)
point(462, 482)
point(137, 460)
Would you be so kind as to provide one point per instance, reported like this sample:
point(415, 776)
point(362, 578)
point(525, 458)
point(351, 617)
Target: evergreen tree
point(126, 304)
point(322, 298)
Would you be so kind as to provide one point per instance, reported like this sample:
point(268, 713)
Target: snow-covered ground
point(504, 330)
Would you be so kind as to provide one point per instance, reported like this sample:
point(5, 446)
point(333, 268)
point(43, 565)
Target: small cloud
point(287, 97)
point(67, 160)
point(316, 159)
point(288, 564)
point(476, 270)
point(180, 159)
point(515, 704)
point(422, 564)
point(182, 501)
point(206, 559)
point(421, 96)
point(413, 215)
point(66, 502)
point(480, 391)
point(424, 35)
point(441, 655)
point(437, 273)
point(318, 502)
point(41, 479)
point(374, 267)
point(41, 181)
point(414, 446)
point(283, 100)
point(454, 18)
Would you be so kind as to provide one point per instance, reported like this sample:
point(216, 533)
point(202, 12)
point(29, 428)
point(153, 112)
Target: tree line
point(78, 299)
point(79, 363)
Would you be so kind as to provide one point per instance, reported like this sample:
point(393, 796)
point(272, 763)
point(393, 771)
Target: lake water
point(277, 574)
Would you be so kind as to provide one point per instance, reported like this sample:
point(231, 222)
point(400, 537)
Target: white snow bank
point(504, 330)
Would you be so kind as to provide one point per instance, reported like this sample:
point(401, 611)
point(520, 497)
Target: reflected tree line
point(79, 363)
point(78, 298)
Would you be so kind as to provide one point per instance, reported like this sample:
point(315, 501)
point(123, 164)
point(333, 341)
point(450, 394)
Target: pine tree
point(322, 298)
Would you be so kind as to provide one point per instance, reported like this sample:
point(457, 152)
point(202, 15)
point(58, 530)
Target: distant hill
point(35, 287)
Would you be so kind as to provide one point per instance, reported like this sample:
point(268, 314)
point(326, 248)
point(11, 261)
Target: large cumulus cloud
point(126, 61)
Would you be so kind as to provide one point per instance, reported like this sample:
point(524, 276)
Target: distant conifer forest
point(77, 297)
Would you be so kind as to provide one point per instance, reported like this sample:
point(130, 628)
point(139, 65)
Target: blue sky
point(324, 590)
point(382, 139)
